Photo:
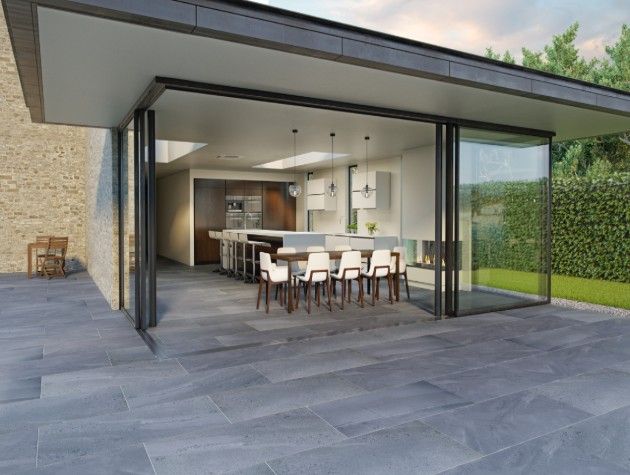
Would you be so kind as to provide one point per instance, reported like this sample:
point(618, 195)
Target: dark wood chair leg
point(343, 292)
point(329, 299)
point(318, 287)
point(361, 294)
point(406, 283)
point(373, 289)
point(267, 296)
point(390, 284)
point(259, 292)
point(349, 291)
point(308, 298)
point(377, 289)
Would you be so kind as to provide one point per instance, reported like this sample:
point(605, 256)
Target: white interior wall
point(174, 217)
point(388, 219)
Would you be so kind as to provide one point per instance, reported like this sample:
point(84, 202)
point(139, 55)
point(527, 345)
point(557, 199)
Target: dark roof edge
point(270, 27)
point(366, 32)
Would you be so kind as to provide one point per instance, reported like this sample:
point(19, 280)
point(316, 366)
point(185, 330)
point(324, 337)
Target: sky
point(473, 25)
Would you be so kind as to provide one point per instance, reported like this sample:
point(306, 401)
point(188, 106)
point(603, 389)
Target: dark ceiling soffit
point(161, 84)
point(249, 23)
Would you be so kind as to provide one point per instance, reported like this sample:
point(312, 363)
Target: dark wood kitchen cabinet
point(209, 215)
point(278, 206)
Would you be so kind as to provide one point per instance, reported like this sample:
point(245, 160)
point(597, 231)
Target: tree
point(562, 57)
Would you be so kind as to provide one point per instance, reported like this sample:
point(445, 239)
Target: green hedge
point(591, 227)
point(590, 221)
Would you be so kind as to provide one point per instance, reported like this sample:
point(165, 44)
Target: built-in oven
point(234, 206)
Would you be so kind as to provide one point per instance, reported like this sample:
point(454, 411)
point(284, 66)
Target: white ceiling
point(260, 132)
point(94, 70)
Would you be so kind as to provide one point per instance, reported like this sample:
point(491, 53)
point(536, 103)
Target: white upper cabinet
point(317, 197)
point(380, 197)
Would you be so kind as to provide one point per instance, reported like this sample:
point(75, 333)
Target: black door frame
point(446, 170)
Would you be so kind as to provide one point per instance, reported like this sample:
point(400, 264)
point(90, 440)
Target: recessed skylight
point(168, 150)
point(300, 160)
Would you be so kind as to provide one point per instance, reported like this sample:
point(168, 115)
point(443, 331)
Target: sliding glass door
point(501, 222)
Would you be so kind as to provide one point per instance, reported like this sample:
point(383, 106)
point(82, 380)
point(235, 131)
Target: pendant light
point(332, 188)
point(366, 191)
point(295, 189)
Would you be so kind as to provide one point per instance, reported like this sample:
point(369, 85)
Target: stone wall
point(42, 174)
point(101, 211)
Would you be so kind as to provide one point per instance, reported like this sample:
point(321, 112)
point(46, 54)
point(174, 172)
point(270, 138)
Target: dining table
point(32, 248)
point(334, 255)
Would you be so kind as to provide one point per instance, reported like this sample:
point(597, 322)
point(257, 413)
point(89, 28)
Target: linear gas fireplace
point(425, 259)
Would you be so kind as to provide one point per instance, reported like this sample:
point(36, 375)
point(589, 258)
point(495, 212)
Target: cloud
point(473, 25)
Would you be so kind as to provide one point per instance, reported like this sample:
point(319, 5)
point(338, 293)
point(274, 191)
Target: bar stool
point(251, 278)
point(241, 239)
point(215, 235)
point(225, 253)
point(230, 239)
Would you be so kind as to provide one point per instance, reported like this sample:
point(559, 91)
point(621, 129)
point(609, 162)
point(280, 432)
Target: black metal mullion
point(139, 222)
point(448, 274)
point(437, 259)
point(549, 227)
point(151, 222)
point(121, 222)
point(457, 258)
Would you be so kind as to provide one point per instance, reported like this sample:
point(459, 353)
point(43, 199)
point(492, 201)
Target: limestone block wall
point(42, 174)
point(101, 211)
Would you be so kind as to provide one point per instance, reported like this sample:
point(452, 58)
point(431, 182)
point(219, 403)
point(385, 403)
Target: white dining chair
point(271, 274)
point(349, 270)
point(334, 264)
point(379, 268)
point(302, 265)
point(402, 266)
point(318, 273)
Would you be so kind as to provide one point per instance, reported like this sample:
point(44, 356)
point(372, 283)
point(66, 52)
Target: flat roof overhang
point(86, 62)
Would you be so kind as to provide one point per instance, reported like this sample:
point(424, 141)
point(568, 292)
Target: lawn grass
point(602, 292)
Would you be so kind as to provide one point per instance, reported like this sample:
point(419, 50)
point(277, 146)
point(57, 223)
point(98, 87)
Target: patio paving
point(226, 389)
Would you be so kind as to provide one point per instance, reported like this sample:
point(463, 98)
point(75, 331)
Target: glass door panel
point(501, 239)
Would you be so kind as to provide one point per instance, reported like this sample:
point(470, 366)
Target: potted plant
point(372, 227)
point(352, 228)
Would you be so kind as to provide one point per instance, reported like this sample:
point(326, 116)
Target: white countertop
point(279, 233)
point(267, 232)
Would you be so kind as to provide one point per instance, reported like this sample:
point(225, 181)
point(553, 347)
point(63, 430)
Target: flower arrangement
point(372, 227)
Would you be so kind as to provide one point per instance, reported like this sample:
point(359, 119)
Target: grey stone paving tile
point(388, 407)
point(21, 354)
point(224, 359)
point(107, 377)
point(612, 327)
point(16, 389)
point(35, 412)
point(130, 460)
point(18, 450)
point(175, 336)
point(399, 372)
point(410, 448)
point(583, 315)
point(53, 364)
point(535, 311)
point(597, 445)
point(266, 399)
point(390, 350)
point(241, 445)
point(112, 432)
point(132, 354)
point(308, 365)
point(568, 361)
point(266, 337)
point(191, 385)
point(507, 329)
point(286, 322)
point(596, 392)
point(490, 381)
point(17, 332)
point(559, 338)
point(259, 469)
point(492, 425)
